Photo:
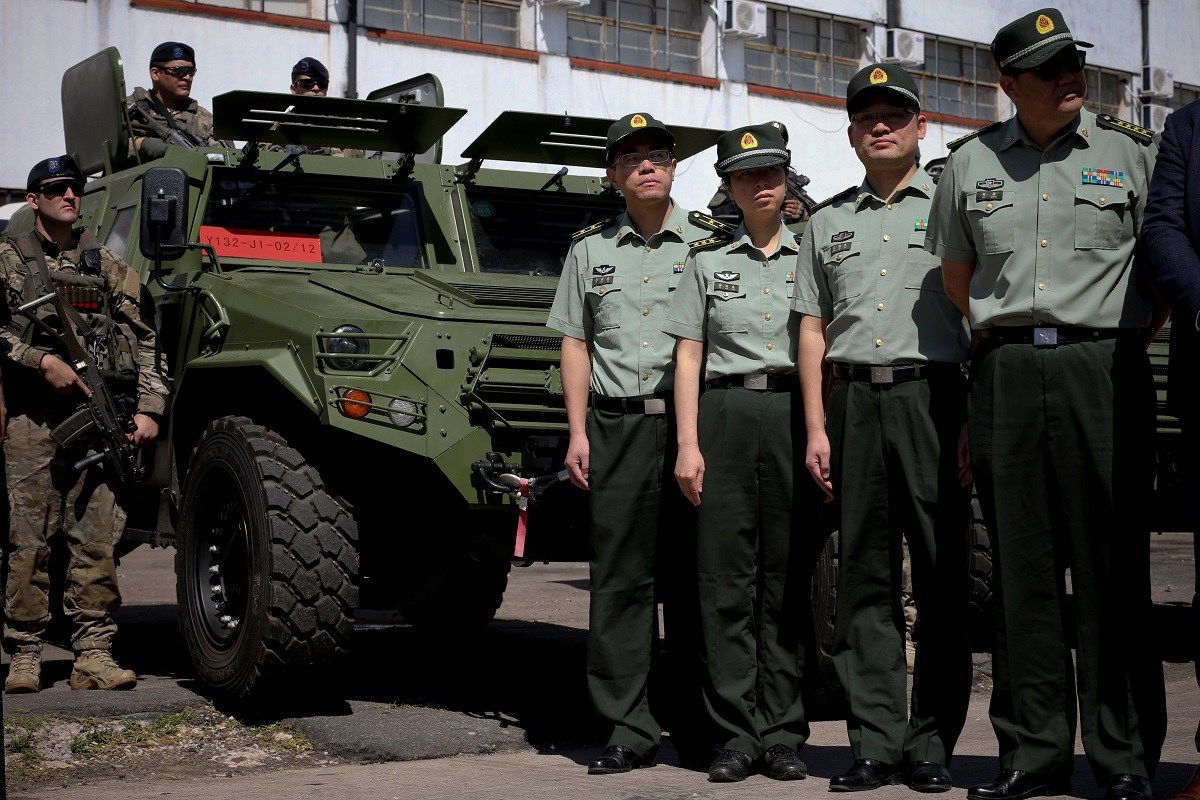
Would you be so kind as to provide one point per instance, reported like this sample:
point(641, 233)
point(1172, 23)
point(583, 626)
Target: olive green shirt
point(739, 304)
point(863, 267)
point(1051, 231)
point(613, 293)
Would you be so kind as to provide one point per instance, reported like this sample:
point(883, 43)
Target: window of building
point(958, 78)
point(656, 34)
point(486, 21)
point(290, 8)
point(1106, 91)
point(805, 53)
point(1183, 95)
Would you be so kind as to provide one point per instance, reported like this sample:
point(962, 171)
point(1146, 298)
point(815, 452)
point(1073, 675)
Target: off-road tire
point(285, 561)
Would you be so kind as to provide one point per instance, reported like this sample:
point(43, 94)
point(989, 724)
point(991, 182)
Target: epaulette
point(836, 197)
point(705, 244)
point(960, 141)
point(590, 229)
point(700, 219)
point(1136, 132)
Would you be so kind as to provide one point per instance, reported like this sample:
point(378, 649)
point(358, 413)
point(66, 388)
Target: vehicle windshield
point(312, 219)
point(524, 232)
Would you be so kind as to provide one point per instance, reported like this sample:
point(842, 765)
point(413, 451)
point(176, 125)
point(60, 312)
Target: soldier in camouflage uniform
point(168, 108)
point(48, 496)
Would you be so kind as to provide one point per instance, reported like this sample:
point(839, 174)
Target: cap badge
point(748, 141)
point(177, 51)
point(1044, 24)
point(989, 183)
point(638, 121)
point(841, 236)
point(52, 166)
point(303, 65)
point(878, 76)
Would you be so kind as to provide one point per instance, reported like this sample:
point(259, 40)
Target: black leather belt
point(1051, 335)
point(650, 405)
point(895, 373)
point(758, 381)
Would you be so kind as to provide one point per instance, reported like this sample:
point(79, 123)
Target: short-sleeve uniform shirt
point(863, 267)
point(738, 302)
point(613, 293)
point(1051, 231)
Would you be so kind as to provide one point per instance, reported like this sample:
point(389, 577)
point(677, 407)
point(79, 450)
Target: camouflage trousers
point(48, 498)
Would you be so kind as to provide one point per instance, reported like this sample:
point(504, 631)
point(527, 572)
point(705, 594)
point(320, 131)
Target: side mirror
point(164, 214)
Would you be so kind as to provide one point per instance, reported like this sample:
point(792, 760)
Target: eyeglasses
point(631, 160)
point(178, 72)
point(1049, 71)
point(893, 118)
point(59, 189)
point(308, 83)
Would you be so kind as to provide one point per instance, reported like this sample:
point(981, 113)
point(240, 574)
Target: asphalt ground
point(503, 713)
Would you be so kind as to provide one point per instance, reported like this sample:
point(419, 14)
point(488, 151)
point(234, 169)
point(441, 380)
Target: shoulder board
point(1137, 132)
point(960, 141)
point(703, 220)
point(705, 244)
point(590, 229)
point(835, 198)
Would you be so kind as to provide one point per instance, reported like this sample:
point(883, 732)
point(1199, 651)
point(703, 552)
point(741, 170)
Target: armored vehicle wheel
point(266, 563)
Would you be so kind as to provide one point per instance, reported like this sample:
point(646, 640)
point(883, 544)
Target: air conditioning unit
point(1154, 116)
point(745, 18)
point(1158, 82)
point(903, 47)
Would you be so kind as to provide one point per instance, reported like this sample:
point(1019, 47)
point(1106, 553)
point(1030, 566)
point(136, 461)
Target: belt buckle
point(655, 406)
point(1045, 337)
point(881, 375)
point(757, 381)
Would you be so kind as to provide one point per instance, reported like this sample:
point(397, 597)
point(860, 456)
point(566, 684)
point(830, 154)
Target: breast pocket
point(604, 301)
point(845, 269)
point(729, 309)
point(992, 221)
point(1101, 217)
point(923, 271)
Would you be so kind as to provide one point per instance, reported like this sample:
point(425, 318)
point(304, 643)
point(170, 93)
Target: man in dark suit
point(1171, 232)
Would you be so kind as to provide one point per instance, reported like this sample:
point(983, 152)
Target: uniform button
point(725, 294)
point(1045, 196)
point(840, 256)
point(887, 237)
point(889, 206)
point(988, 207)
point(1042, 286)
point(770, 346)
point(879, 342)
point(879, 307)
point(1103, 200)
point(766, 290)
point(645, 279)
point(767, 317)
point(1045, 156)
point(645, 376)
point(645, 344)
point(600, 290)
point(883, 272)
point(645, 312)
point(648, 248)
point(1045, 242)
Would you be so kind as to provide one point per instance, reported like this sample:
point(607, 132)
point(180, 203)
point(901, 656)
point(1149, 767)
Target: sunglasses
point(1049, 71)
point(309, 83)
point(59, 188)
point(178, 72)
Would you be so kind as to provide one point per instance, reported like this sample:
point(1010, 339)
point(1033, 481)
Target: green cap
point(752, 146)
point(881, 77)
point(1032, 40)
point(633, 125)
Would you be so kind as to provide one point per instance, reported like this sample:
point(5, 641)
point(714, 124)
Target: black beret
point(59, 167)
point(172, 51)
point(312, 68)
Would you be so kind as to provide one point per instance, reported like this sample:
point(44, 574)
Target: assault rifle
point(100, 421)
point(165, 132)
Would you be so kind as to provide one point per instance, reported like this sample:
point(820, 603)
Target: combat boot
point(96, 669)
point(24, 673)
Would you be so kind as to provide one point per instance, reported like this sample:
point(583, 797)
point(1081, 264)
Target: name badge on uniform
point(982, 196)
point(920, 224)
point(603, 275)
point(841, 236)
point(987, 184)
point(1095, 176)
point(677, 268)
point(839, 248)
point(726, 281)
point(603, 280)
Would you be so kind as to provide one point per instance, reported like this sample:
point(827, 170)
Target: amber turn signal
point(355, 403)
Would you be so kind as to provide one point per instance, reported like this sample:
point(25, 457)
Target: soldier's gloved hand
point(146, 433)
point(61, 377)
point(152, 147)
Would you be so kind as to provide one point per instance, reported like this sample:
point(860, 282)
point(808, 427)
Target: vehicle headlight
point(403, 412)
point(347, 345)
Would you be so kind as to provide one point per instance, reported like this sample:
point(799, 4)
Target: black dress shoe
point(929, 776)
point(730, 766)
point(782, 763)
point(1128, 787)
point(1013, 784)
point(867, 773)
point(616, 758)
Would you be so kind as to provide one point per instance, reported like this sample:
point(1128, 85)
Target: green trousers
point(895, 471)
point(641, 553)
point(755, 537)
point(1062, 441)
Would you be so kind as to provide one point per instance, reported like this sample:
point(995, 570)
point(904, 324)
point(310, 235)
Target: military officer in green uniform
point(1036, 220)
point(611, 306)
point(167, 113)
point(49, 497)
point(886, 441)
point(741, 444)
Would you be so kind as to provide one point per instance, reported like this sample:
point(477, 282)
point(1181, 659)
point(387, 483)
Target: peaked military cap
point(881, 77)
point(172, 51)
point(57, 168)
point(633, 125)
point(1032, 40)
point(752, 146)
point(312, 68)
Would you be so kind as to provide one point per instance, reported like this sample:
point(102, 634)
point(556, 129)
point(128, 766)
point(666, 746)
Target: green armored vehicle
point(361, 373)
